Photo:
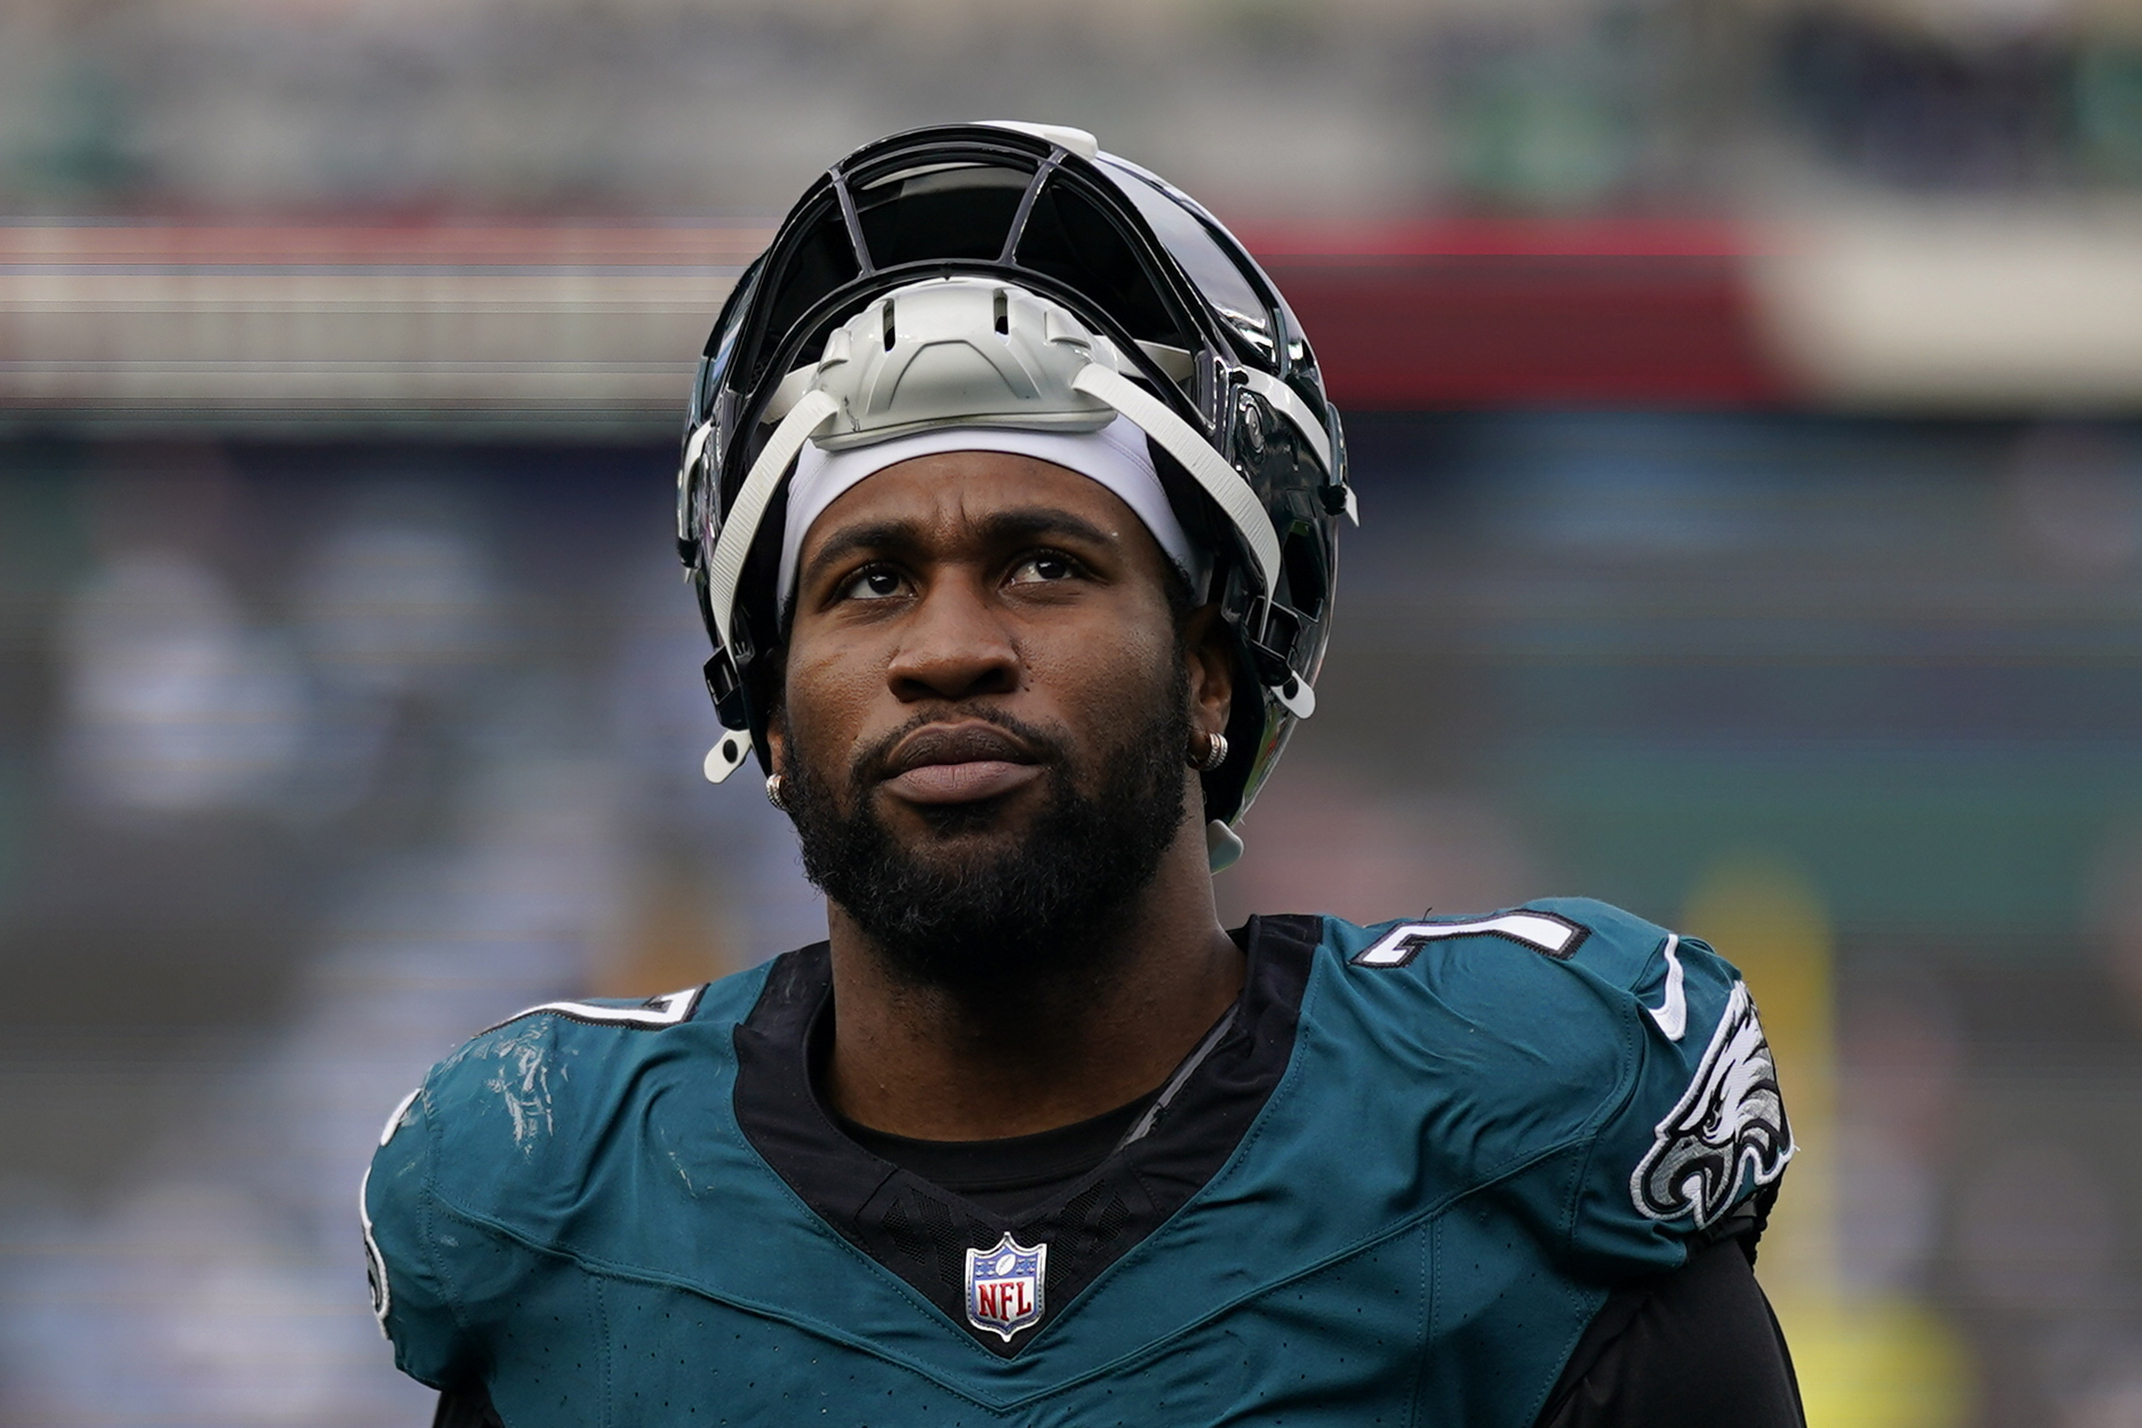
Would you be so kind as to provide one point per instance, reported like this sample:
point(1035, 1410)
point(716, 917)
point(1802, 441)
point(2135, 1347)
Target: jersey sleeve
point(1701, 1126)
point(507, 1120)
point(1691, 1348)
point(410, 1296)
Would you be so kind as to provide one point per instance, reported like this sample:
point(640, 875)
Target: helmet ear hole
point(1301, 557)
point(1202, 521)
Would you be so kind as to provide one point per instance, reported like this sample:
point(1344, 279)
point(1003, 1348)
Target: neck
point(938, 1063)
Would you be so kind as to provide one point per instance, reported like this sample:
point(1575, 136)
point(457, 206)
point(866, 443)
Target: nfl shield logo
point(1004, 1287)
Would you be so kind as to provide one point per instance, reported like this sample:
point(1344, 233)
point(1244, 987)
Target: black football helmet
point(1177, 328)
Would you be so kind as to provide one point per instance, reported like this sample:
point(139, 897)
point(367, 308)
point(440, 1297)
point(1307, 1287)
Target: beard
point(975, 915)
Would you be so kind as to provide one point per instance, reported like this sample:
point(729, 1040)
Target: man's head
point(993, 694)
point(1010, 278)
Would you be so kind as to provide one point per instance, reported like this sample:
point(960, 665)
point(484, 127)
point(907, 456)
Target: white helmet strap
point(814, 410)
point(1206, 466)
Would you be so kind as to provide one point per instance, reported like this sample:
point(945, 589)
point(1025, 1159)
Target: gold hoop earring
point(774, 787)
point(1215, 754)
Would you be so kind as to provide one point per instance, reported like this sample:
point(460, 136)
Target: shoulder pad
point(508, 1128)
point(1615, 1029)
point(524, 1090)
point(521, 1109)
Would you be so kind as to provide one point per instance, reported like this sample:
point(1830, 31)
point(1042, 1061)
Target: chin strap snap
point(1222, 846)
point(728, 756)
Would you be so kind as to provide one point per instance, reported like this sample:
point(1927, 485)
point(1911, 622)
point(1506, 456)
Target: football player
point(1009, 495)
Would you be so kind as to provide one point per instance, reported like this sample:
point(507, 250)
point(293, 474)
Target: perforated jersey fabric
point(1399, 1189)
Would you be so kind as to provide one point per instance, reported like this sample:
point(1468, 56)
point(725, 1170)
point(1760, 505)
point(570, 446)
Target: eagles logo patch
point(1731, 1118)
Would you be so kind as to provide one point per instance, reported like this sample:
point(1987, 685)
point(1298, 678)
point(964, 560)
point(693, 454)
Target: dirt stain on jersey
point(522, 1082)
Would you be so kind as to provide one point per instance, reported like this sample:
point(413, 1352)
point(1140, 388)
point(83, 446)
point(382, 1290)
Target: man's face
point(986, 712)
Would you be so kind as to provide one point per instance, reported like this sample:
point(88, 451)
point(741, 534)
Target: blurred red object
point(1509, 312)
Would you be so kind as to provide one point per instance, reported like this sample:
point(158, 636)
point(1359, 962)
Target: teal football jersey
point(1394, 1186)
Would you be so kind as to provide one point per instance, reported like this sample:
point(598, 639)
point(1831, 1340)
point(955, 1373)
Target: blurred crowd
point(311, 772)
point(1264, 107)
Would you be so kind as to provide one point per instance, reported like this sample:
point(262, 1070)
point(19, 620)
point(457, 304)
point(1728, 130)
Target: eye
point(873, 583)
point(1044, 567)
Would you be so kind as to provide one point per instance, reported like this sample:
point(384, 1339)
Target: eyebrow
point(999, 528)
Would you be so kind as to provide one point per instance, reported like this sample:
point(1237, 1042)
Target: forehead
point(953, 497)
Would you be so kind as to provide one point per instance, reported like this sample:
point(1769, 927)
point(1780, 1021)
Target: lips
point(959, 763)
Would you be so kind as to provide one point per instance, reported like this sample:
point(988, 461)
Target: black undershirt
point(1010, 1176)
point(1092, 1201)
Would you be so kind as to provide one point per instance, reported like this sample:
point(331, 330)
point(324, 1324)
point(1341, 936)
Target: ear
point(777, 737)
point(1207, 652)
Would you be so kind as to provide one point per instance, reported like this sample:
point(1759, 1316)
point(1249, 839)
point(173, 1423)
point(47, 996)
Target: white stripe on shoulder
point(375, 1263)
point(1672, 1013)
point(394, 1117)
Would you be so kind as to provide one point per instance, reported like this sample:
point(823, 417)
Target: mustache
point(878, 763)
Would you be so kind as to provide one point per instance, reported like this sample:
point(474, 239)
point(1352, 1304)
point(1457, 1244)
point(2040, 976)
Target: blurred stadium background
point(1745, 397)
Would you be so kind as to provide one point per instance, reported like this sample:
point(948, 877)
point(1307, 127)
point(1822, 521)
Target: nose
point(954, 646)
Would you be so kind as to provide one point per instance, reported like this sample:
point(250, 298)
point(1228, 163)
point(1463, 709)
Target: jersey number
point(1541, 931)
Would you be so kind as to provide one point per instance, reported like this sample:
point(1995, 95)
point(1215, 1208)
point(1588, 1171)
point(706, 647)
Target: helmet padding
point(1116, 456)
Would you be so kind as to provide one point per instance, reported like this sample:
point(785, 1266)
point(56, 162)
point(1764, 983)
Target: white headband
point(1116, 456)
